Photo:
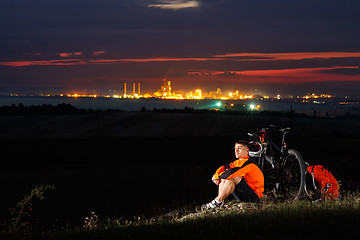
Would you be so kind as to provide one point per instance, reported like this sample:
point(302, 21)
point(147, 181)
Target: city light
point(166, 92)
point(253, 107)
point(197, 94)
point(76, 95)
point(313, 95)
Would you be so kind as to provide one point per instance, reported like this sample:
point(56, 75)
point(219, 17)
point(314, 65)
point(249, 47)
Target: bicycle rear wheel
point(293, 175)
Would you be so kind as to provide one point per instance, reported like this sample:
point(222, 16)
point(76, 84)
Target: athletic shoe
point(211, 205)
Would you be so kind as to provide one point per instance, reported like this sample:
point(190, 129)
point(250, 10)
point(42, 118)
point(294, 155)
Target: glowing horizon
point(204, 72)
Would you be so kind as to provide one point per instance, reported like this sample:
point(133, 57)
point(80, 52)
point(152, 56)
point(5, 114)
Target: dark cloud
point(219, 26)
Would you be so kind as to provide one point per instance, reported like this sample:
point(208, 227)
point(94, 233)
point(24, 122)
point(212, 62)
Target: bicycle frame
point(263, 137)
point(282, 148)
point(283, 172)
point(269, 145)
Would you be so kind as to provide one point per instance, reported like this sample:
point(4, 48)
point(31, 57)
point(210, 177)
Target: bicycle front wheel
point(293, 175)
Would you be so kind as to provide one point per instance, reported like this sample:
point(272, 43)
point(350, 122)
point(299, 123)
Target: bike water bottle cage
point(255, 149)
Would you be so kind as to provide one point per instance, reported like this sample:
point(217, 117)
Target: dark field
point(145, 163)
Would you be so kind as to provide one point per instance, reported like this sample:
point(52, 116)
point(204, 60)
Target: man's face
point(241, 150)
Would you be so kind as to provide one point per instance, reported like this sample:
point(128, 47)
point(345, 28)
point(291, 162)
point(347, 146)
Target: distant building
point(134, 94)
point(165, 89)
point(197, 94)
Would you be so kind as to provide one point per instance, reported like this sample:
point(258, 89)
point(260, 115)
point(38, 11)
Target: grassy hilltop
point(268, 220)
point(164, 161)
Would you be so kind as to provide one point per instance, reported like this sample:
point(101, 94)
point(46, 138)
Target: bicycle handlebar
point(266, 130)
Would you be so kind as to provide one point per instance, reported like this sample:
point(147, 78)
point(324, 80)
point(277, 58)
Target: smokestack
point(134, 89)
point(139, 89)
point(124, 89)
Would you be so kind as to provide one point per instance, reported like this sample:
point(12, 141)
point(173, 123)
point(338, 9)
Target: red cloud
point(71, 54)
point(288, 56)
point(225, 57)
point(96, 53)
point(279, 75)
point(99, 61)
point(159, 59)
point(64, 62)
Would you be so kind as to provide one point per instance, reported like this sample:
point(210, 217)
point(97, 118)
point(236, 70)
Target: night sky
point(291, 45)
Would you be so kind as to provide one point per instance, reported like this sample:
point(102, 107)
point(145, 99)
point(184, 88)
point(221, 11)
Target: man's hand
point(216, 181)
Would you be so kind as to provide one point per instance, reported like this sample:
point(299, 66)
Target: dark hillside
point(125, 164)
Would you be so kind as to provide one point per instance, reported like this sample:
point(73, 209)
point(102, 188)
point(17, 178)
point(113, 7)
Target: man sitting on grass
point(241, 178)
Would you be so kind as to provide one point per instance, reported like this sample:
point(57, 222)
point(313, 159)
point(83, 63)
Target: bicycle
point(284, 173)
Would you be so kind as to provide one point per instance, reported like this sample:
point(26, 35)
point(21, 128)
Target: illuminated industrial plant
point(166, 92)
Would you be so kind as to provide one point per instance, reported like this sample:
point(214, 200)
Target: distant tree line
point(44, 109)
point(65, 108)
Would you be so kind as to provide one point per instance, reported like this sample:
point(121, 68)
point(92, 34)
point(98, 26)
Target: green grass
point(268, 220)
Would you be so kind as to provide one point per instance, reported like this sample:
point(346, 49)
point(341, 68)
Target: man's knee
point(231, 181)
point(237, 180)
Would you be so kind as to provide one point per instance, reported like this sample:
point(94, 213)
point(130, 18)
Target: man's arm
point(219, 171)
point(237, 172)
point(216, 181)
point(215, 178)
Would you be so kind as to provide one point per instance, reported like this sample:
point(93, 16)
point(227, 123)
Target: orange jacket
point(251, 173)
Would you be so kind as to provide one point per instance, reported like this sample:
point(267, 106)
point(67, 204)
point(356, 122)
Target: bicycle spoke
point(293, 176)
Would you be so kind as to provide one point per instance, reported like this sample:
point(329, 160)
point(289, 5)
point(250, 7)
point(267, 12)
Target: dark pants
point(244, 193)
